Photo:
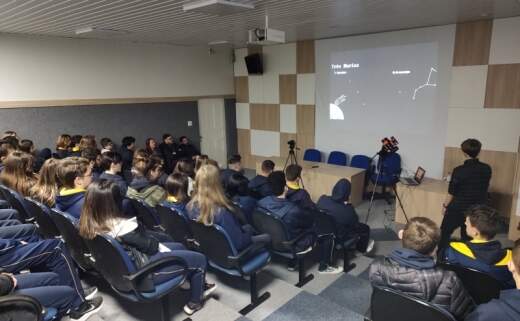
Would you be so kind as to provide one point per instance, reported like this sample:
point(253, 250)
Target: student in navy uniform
point(185, 149)
point(111, 163)
point(18, 173)
point(168, 150)
point(468, 186)
point(482, 253)
point(234, 166)
point(345, 215)
point(507, 306)
point(238, 193)
point(295, 192)
point(75, 175)
point(297, 221)
point(127, 152)
point(93, 155)
point(48, 255)
point(177, 189)
point(63, 146)
point(259, 185)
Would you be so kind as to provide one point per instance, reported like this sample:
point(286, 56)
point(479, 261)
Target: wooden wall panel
point(514, 222)
point(305, 119)
point(305, 63)
point(242, 89)
point(503, 86)
point(503, 165)
point(284, 147)
point(287, 85)
point(265, 117)
point(472, 43)
point(304, 141)
point(244, 147)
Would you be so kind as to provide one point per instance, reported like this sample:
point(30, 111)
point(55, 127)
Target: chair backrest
point(390, 164)
point(390, 305)
point(214, 242)
point(145, 214)
point(360, 161)
point(20, 308)
point(337, 158)
point(266, 222)
point(174, 223)
point(40, 212)
point(481, 286)
point(73, 241)
point(112, 261)
point(15, 200)
point(312, 155)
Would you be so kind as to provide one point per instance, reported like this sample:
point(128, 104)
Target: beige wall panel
point(265, 117)
point(305, 62)
point(305, 119)
point(287, 85)
point(505, 42)
point(503, 86)
point(242, 89)
point(472, 43)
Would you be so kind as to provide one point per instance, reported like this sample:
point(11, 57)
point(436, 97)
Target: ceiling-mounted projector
point(266, 36)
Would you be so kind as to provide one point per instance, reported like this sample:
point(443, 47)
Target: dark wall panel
point(143, 120)
point(231, 125)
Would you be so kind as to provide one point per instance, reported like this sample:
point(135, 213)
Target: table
point(320, 178)
point(425, 200)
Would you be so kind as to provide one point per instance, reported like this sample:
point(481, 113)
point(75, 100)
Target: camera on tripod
point(292, 144)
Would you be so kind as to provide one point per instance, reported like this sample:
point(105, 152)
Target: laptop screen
point(419, 174)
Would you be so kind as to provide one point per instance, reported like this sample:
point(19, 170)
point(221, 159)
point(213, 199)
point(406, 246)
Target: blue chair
point(387, 172)
point(145, 214)
point(23, 307)
point(337, 158)
point(281, 244)
point(312, 155)
point(361, 161)
point(133, 284)
point(216, 244)
point(175, 225)
point(41, 214)
point(15, 200)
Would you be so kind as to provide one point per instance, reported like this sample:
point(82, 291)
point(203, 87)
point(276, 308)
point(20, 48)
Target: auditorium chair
point(146, 215)
point(361, 161)
point(16, 202)
point(312, 155)
point(41, 214)
point(216, 244)
point(481, 286)
point(75, 244)
point(387, 173)
point(391, 305)
point(281, 244)
point(326, 226)
point(24, 308)
point(135, 285)
point(175, 225)
point(337, 158)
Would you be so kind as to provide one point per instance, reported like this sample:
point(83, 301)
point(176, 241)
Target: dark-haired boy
point(297, 221)
point(127, 152)
point(186, 149)
point(259, 185)
point(234, 167)
point(507, 307)
point(111, 163)
point(168, 150)
point(482, 253)
point(75, 175)
point(468, 186)
point(295, 192)
point(412, 270)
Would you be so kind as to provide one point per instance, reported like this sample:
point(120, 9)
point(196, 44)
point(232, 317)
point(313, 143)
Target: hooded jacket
point(259, 187)
point(488, 257)
point(71, 201)
point(505, 308)
point(415, 274)
point(300, 197)
point(334, 205)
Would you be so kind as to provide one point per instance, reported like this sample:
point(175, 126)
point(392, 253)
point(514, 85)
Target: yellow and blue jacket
point(485, 256)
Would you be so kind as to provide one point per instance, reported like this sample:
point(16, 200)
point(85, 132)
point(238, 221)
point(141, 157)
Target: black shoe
point(90, 293)
point(87, 309)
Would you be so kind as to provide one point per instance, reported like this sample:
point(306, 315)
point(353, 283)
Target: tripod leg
point(400, 203)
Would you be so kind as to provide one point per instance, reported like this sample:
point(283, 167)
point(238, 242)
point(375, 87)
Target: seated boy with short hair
point(483, 253)
point(74, 174)
point(507, 307)
point(295, 193)
point(412, 270)
point(259, 185)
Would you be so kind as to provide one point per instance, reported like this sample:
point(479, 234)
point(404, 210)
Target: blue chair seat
point(337, 158)
point(312, 155)
point(159, 291)
point(254, 264)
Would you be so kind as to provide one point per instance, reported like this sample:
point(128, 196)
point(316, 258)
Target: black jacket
point(127, 157)
point(116, 179)
point(301, 198)
point(469, 185)
point(415, 274)
point(259, 187)
point(506, 308)
point(169, 154)
point(187, 151)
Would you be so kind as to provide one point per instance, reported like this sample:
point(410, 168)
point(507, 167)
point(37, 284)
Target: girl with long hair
point(18, 172)
point(177, 189)
point(46, 188)
point(63, 146)
point(102, 214)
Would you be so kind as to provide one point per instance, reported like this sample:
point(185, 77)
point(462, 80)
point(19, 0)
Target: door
point(212, 124)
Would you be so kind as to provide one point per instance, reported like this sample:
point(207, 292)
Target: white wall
point(44, 68)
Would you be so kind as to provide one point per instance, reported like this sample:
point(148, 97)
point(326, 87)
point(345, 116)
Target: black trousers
point(451, 221)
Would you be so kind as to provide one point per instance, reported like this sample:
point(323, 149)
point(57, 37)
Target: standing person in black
point(127, 152)
point(185, 149)
point(168, 150)
point(468, 186)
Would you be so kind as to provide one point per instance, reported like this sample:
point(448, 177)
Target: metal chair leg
point(302, 278)
point(255, 299)
point(347, 266)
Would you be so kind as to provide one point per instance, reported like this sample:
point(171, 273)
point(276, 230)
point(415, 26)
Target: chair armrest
point(245, 254)
point(153, 266)
point(291, 244)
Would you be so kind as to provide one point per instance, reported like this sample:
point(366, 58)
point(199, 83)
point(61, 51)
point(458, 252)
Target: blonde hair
point(18, 172)
point(208, 194)
point(46, 188)
point(141, 161)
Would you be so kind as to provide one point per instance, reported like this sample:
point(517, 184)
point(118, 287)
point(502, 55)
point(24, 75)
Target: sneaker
point(90, 293)
point(209, 288)
point(87, 309)
point(329, 269)
point(191, 308)
point(291, 266)
point(370, 246)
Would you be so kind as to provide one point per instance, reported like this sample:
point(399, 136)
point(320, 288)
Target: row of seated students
point(413, 269)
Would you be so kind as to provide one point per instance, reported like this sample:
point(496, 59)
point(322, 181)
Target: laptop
point(416, 180)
